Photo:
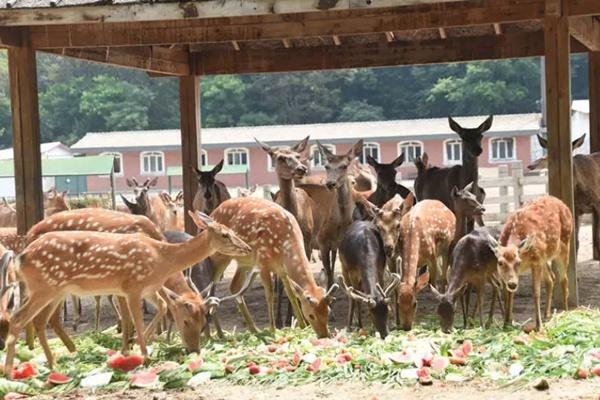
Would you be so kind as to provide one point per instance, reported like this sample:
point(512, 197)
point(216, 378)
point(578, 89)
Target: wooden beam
point(189, 104)
point(587, 31)
point(497, 29)
point(558, 117)
point(169, 11)
point(381, 54)
point(584, 7)
point(443, 34)
point(26, 134)
point(336, 40)
point(10, 37)
point(277, 27)
point(149, 58)
point(594, 96)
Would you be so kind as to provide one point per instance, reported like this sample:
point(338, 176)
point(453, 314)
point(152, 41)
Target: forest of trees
point(77, 97)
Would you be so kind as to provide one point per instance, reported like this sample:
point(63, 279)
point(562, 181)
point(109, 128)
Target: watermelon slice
point(59, 379)
point(439, 363)
point(314, 366)
point(23, 371)
point(166, 366)
point(466, 347)
point(125, 363)
point(401, 358)
point(144, 379)
point(195, 365)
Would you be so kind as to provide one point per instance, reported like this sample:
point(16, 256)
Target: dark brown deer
point(437, 183)
point(386, 181)
point(533, 237)
point(586, 186)
point(211, 192)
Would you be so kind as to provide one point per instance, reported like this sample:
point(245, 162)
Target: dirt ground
point(589, 294)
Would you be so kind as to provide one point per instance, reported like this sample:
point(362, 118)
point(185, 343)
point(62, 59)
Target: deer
point(386, 181)
point(277, 248)
point(586, 185)
point(152, 207)
point(11, 240)
point(132, 266)
point(55, 201)
point(250, 192)
point(436, 183)
point(533, 237)
point(426, 232)
point(8, 214)
point(7, 287)
point(363, 265)
point(211, 192)
point(174, 216)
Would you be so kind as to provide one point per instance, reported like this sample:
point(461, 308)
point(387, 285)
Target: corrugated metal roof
point(82, 166)
point(513, 125)
point(8, 154)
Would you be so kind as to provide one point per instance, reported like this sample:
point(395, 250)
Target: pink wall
point(258, 164)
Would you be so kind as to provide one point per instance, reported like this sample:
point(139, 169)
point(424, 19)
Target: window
point(370, 149)
point(118, 162)
point(203, 158)
point(237, 156)
point(452, 152)
point(502, 149)
point(152, 163)
point(318, 161)
point(411, 150)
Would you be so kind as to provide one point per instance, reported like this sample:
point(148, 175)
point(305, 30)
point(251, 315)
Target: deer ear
point(153, 182)
point(356, 150)
point(398, 161)
point(525, 244)
point(454, 125)
point(201, 220)
point(577, 143)
point(171, 295)
point(297, 289)
point(485, 125)
point(217, 167)
point(273, 196)
point(264, 146)
point(131, 206)
point(454, 192)
point(438, 296)
point(542, 141)
point(301, 145)
point(408, 203)
point(372, 162)
point(324, 150)
point(422, 280)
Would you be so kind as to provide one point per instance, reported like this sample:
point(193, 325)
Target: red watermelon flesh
point(59, 379)
point(166, 366)
point(125, 363)
point(23, 371)
point(195, 365)
point(144, 379)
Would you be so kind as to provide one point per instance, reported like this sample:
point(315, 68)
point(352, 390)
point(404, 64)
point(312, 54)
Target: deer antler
point(355, 294)
point(217, 301)
point(393, 285)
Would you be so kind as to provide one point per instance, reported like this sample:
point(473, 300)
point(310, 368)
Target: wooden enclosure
point(196, 38)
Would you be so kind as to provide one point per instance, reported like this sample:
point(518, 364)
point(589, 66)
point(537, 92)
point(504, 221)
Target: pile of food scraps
point(569, 347)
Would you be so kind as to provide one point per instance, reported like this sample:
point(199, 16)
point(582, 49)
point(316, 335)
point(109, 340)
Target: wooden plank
point(594, 96)
point(584, 7)
point(10, 37)
point(26, 134)
point(380, 54)
point(587, 31)
point(189, 104)
point(148, 58)
point(277, 27)
point(558, 109)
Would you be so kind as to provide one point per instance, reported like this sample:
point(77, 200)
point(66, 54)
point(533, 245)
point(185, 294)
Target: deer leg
point(98, 306)
point(508, 307)
point(326, 257)
point(160, 304)
point(480, 295)
point(40, 322)
point(125, 324)
point(467, 303)
point(23, 316)
point(76, 312)
point(359, 315)
point(133, 305)
point(536, 281)
point(266, 279)
point(111, 300)
point(350, 314)
point(57, 327)
point(279, 290)
point(294, 303)
point(563, 266)
point(490, 320)
point(595, 235)
point(464, 309)
point(549, 283)
point(234, 287)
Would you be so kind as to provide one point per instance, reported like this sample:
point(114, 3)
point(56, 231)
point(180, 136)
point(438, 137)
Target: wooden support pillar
point(26, 134)
point(558, 110)
point(594, 95)
point(189, 104)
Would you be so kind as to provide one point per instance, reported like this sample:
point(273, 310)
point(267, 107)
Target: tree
point(222, 100)
point(360, 111)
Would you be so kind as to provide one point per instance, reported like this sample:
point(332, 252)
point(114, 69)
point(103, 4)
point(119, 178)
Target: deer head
point(465, 202)
point(407, 298)
point(388, 218)
point(206, 180)
point(179, 198)
point(56, 201)
point(509, 259)
point(542, 163)
point(471, 137)
point(288, 162)
point(315, 306)
point(223, 238)
point(336, 166)
point(170, 204)
point(445, 308)
point(386, 173)
point(141, 190)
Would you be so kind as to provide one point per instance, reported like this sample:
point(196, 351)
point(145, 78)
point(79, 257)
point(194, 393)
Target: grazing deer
point(533, 237)
point(277, 248)
point(211, 192)
point(427, 231)
point(436, 183)
point(133, 266)
point(55, 201)
point(8, 214)
point(363, 266)
point(338, 215)
point(152, 207)
point(586, 185)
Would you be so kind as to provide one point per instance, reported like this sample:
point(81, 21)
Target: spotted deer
point(533, 237)
point(152, 207)
point(11, 240)
point(187, 310)
point(427, 231)
point(436, 183)
point(174, 216)
point(211, 192)
point(586, 186)
point(8, 214)
point(132, 266)
point(55, 201)
point(277, 248)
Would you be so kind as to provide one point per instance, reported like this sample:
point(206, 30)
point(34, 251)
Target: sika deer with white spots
point(277, 248)
point(152, 207)
point(533, 237)
point(427, 231)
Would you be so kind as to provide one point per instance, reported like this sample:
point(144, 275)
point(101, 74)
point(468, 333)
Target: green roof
point(85, 166)
point(227, 169)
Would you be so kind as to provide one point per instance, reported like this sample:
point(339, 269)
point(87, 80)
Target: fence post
point(516, 170)
point(503, 191)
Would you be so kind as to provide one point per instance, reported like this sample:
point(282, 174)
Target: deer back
point(586, 182)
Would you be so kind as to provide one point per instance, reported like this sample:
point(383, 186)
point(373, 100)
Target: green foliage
point(77, 97)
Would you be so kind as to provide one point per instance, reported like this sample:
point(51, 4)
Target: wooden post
point(26, 134)
point(503, 191)
point(113, 196)
point(558, 108)
point(594, 94)
point(189, 104)
point(516, 171)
